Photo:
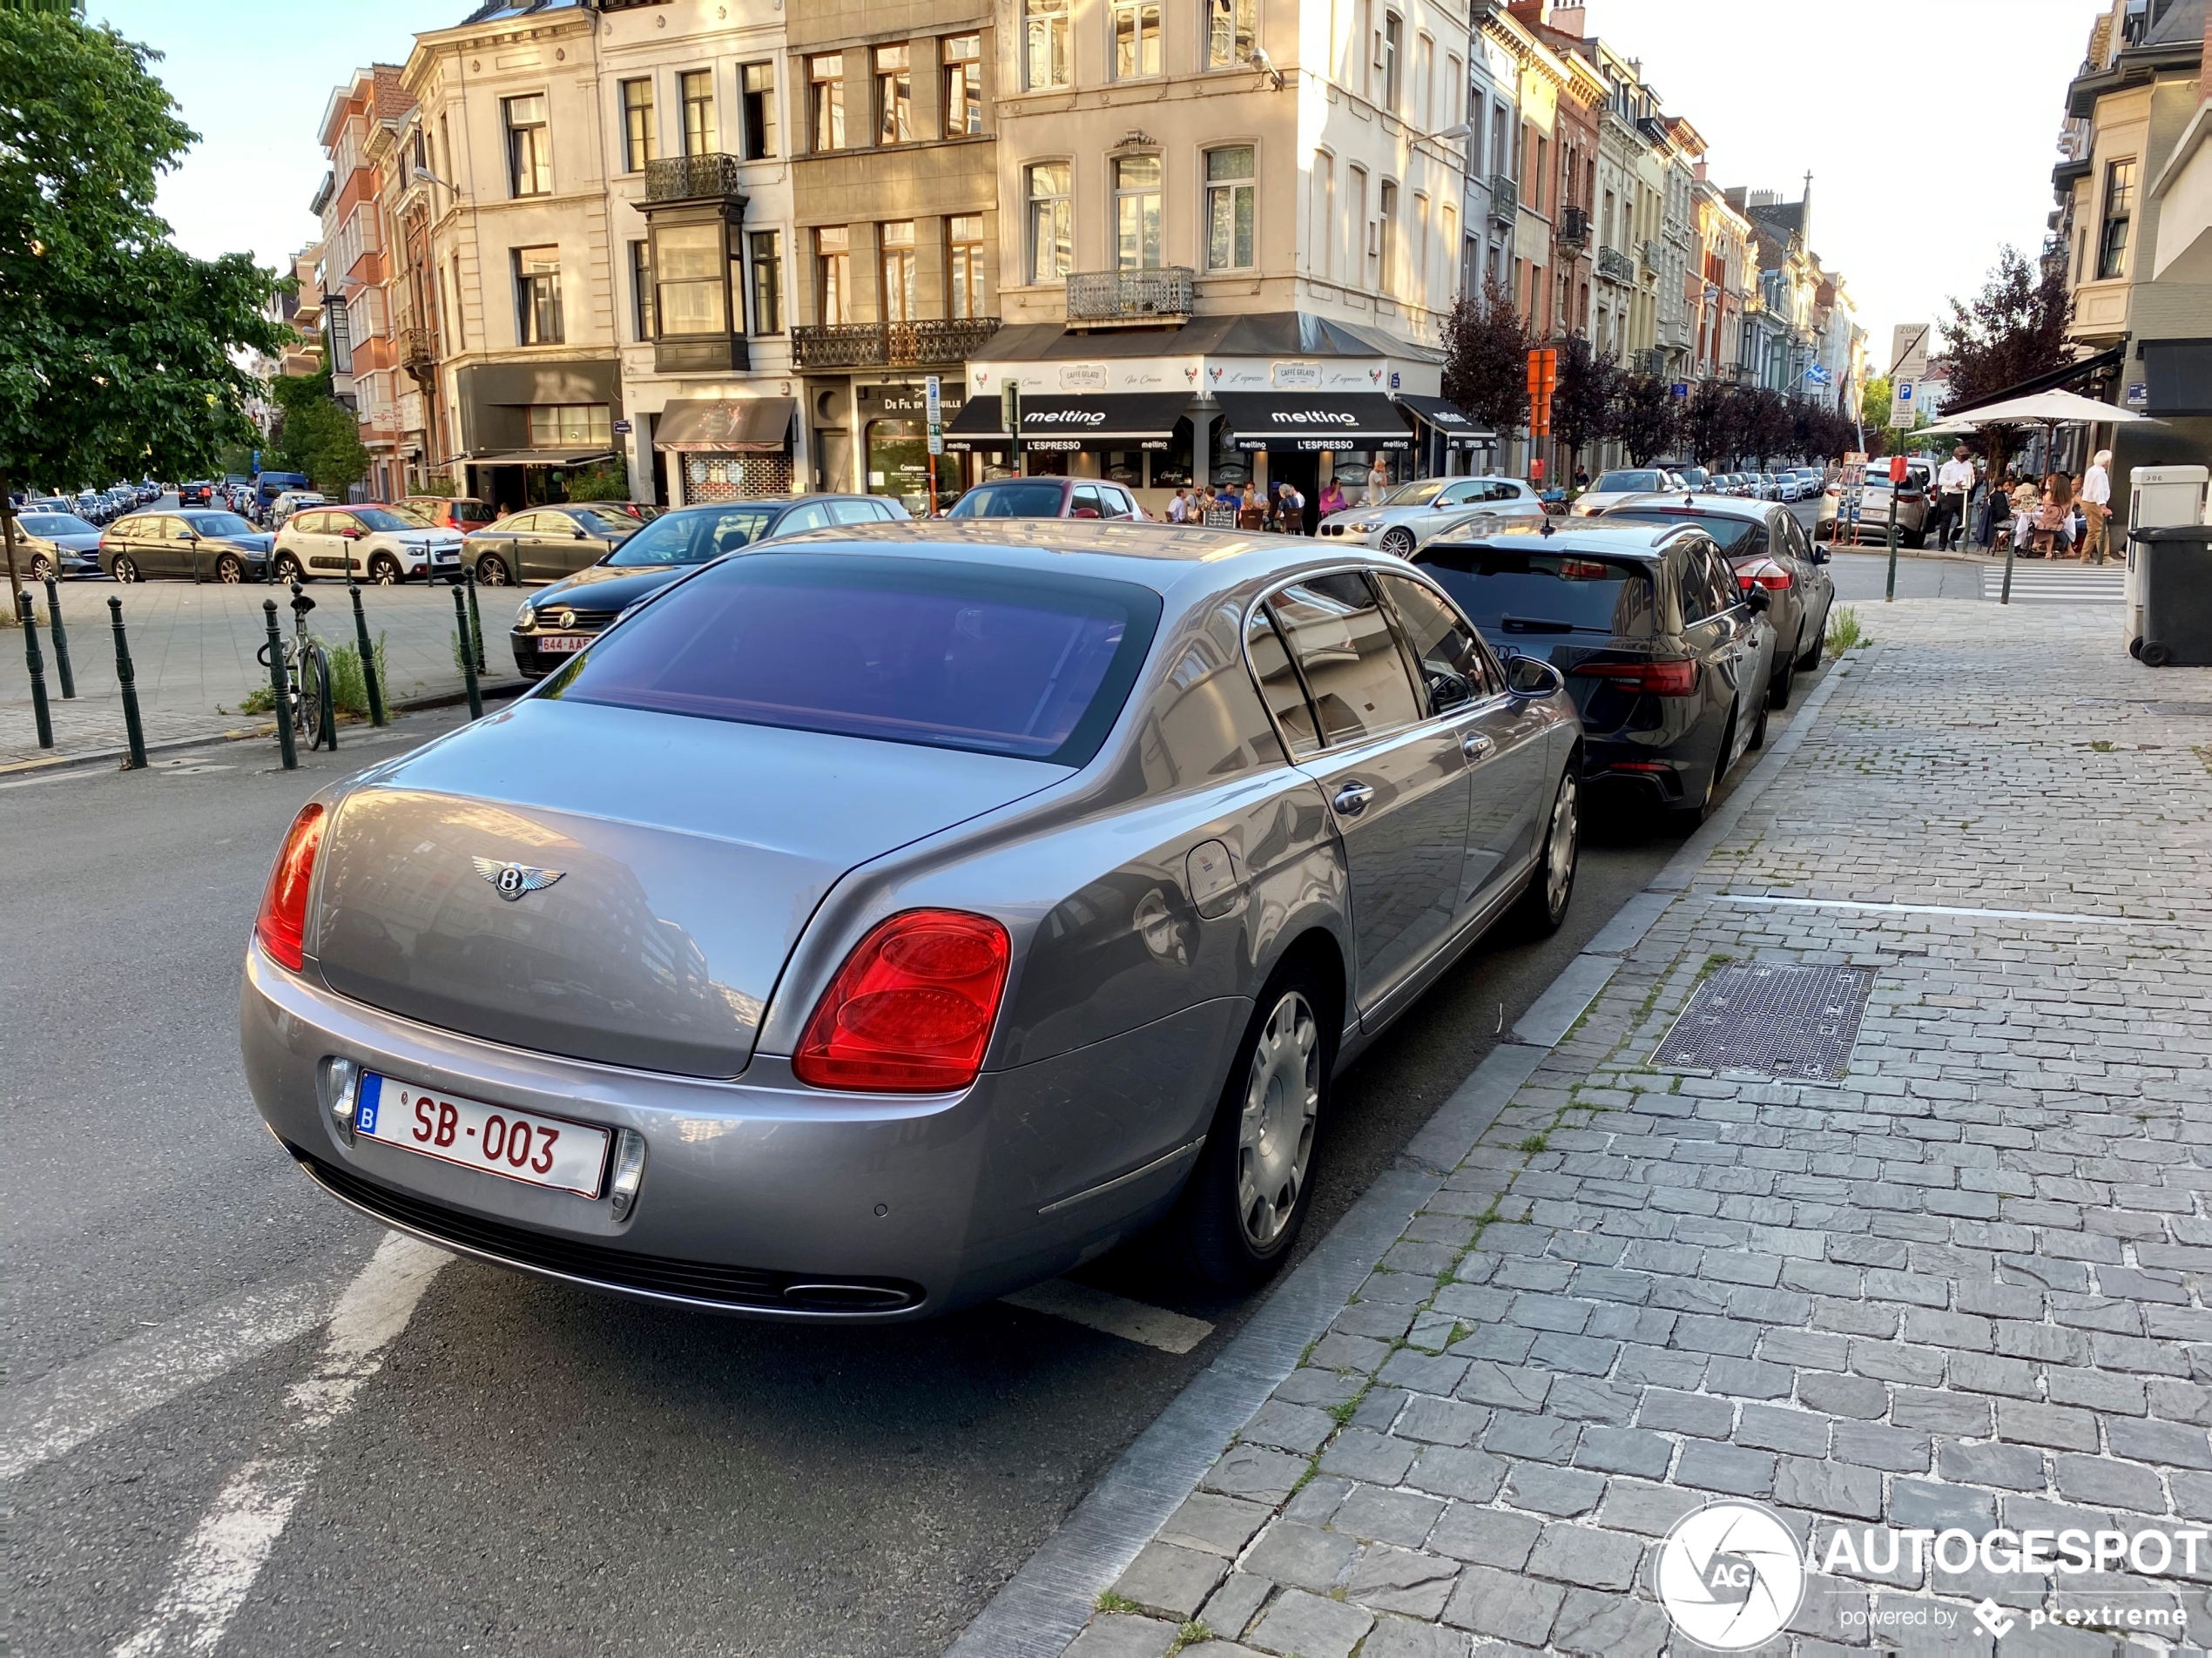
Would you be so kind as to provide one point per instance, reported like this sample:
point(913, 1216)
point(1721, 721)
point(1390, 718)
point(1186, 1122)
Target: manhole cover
point(1795, 1024)
point(2180, 710)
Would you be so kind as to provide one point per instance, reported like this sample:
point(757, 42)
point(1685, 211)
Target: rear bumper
point(760, 1197)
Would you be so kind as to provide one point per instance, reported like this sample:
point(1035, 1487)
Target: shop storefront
point(527, 428)
point(717, 449)
point(1305, 438)
point(1447, 442)
point(1141, 439)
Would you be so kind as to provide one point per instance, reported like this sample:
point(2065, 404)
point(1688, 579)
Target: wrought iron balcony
point(1573, 226)
point(1614, 266)
point(1126, 298)
point(1505, 197)
point(711, 177)
point(1649, 254)
point(890, 345)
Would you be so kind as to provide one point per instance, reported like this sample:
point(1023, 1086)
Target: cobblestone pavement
point(1966, 1287)
point(192, 656)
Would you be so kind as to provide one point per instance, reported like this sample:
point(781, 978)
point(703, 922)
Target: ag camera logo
point(1729, 1575)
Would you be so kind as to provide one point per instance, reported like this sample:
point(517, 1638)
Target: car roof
point(1618, 537)
point(1719, 506)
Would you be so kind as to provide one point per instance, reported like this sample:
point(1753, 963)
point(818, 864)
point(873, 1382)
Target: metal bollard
point(368, 655)
point(475, 621)
point(61, 641)
point(468, 656)
point(128, 680)
point(279, 683)
point(38, 670)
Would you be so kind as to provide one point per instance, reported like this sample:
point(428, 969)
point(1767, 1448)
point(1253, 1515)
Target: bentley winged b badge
point(511, 881)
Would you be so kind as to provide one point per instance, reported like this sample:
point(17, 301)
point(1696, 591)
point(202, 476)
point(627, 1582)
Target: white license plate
point(516, 1145)
point(554, 644)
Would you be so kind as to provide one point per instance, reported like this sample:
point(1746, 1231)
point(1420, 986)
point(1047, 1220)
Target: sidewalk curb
point(1043, 1606)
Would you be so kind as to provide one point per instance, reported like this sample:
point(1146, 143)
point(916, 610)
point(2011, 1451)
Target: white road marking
point(215, 1568)
point(53, 1415)
point(1095, 1310)
point(2089, 586)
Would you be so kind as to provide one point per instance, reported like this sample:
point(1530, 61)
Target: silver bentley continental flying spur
point(892, 916)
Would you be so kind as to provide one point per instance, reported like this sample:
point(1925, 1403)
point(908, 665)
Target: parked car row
point(94, 505)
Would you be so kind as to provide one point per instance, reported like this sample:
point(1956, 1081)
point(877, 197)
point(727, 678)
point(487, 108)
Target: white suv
point(375, 542)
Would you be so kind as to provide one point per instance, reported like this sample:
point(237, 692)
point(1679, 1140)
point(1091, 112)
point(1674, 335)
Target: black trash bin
point(2173, 585)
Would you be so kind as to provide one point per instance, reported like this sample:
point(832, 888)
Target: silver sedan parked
point(1416, 512)
point(886, 918)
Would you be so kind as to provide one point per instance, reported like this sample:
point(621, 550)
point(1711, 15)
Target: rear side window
point(1442, 642)
point(1510, 593)
point(1011, 498)
point(1336, 630)
point(813, 516)
point(1279, 685)
point(855, 512)
point(936, 653)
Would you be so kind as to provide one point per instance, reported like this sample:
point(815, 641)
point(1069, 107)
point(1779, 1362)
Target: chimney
point(1569, 20)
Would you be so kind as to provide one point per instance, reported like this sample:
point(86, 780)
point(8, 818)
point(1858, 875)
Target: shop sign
point(1294, 376)
point(1083, 377)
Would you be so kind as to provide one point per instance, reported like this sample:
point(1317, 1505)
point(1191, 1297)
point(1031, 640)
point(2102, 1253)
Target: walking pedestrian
point(1954, 482)
point(2096, 503)
point(1378, 483)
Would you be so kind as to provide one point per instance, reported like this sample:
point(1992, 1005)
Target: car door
point(1725, 640)
point(519, 537)
point(299, 538)
point(338, 543)
point(1395, 778)
point(167, 551)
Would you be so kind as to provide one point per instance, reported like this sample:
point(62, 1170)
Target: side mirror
point(1084, 512)
point(1820, 555)
point(1532, 677)
point(581, 532)
point(1759, 599)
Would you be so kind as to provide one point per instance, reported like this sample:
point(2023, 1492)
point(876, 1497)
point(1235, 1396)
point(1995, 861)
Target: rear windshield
point(1040, 499)
point(1508, 593)
point(1727, 531)
point(694, 537)
point(940, 654)
point(1622, 483)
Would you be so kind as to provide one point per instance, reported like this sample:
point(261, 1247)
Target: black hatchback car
point(552, 626)
point(1666, 656)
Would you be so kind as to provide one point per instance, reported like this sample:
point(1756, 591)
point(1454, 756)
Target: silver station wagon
point(890, 917)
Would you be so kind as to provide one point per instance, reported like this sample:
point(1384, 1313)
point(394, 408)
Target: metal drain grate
point(1793, 1024)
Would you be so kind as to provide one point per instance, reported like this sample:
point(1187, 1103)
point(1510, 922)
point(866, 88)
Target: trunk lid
point(691, 853)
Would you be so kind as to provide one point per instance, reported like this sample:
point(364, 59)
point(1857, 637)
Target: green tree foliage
point(1486, 358)
point(1582, 401)
point(607, 482)
point(115, 345)
point(1874, 402)
point(2014, 330)
point(1712, 423)
point(1644, 417)
point(319, 436)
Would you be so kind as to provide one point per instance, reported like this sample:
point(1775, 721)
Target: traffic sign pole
point(933, 409)
point(1897, 482)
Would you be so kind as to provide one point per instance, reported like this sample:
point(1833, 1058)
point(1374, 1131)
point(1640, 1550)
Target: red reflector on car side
point(282, 924)
point(911, 1010)
point(1669, 677)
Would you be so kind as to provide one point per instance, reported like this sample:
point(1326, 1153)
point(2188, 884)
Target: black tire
point(1551, 888)
point(2157, 653)
point(1691, 813)
point(1916, 539)
point(1779, 681)
point(229, 570)
point(1240, 1214)
point(1398, 541)
point(1759, 725)
point(492, 572)
point(41, 567)
point(288, 567)
point(317, 717)
point(124, 569)
point(2135, 648)
point(1811, 659)
point(385, 571)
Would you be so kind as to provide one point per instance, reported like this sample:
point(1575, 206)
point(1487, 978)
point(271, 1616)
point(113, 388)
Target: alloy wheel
point(1399, 541)
point(1275, 1130)
point(229, 571)
point(491, 571)
point(1559, 846)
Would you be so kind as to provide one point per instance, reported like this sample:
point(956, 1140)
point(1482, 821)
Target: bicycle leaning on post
point(314, 713)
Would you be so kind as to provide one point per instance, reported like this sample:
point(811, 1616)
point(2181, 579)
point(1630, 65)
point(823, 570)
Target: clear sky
point(1930, 126)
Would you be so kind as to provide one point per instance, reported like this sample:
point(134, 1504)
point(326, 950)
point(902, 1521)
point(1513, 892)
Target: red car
point(1048, 498)
point(463, 513)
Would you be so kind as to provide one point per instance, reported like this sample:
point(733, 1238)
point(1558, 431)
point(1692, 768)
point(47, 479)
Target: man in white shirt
point(1954, 482)
point(1179, 509)
point(2096, 503)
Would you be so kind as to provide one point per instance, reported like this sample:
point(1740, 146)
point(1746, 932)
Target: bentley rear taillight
point(282, 924)
point(911, 1010)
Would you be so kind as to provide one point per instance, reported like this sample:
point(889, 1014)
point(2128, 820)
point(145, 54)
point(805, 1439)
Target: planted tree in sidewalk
point(2014, 330)
point(1486, 358)
point(1644, 417)
point(317, 434)
point(1711, 422)
point(1582, 401)
point(116, 347)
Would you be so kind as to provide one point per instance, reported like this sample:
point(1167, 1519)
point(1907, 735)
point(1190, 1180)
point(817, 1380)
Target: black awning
point(743, 424)
point(563, 458)
point(1436, 411)
point(1108, 421)
point(1314, 421)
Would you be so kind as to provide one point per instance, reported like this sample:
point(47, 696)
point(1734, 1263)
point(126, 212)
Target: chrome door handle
point(1352, 799)
point(1474, 746)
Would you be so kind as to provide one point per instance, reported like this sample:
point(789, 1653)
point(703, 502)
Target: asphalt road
point(533, 1470)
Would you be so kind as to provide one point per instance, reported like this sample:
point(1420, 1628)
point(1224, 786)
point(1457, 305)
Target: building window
point(1394, 40)
point(2120, 206)
point(636, 125)
point(529, 147)
point(689, 262)
point(1232, 29)
point(1229, 208)
point(460, 322)
point(1044, 44)
point(897, 242)
point(1137, 38)
point(894, 96)
point(964, 264)
point(641, 291)
point(826, 76)
point(1425, 81)
point(767, 281)
point(571, 426)
point(697, 87)
point(1356, 182)
point(757, 95)
point(1137, 212)
point(834, 273)
point(1325, 214)
point(1051, 222)
point(338, 331)
point(1387, 237)
point(963, 59)
point(1417, 287)
point(537, 296)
